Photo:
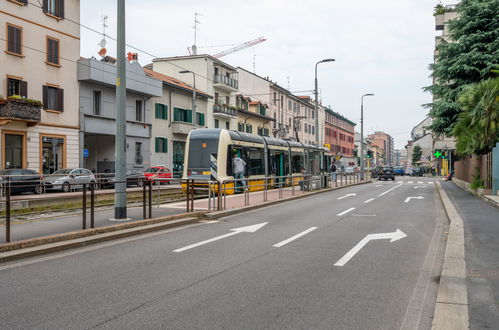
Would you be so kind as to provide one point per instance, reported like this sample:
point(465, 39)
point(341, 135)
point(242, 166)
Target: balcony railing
point(224, 109)
point(23, 110)
point(220, 79)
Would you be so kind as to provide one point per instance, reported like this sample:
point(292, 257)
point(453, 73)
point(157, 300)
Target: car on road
point(69, 178)
point(349, 170)
point(161, 174)
point(134, 177)
point(417, 171)
point(21, 180)
point(385, 173)
point(398, 170)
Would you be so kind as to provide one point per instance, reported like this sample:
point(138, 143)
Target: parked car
point(385, 173)
point(349, 170)
point(417, 171)
point(69, 178)
point(159, 174)
point(375, 172)
point(134, 177)
point(21, 180)
point(398, 170)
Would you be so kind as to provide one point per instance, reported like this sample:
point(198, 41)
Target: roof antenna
point(288, 82)
point(254, 63)
point(194, 47)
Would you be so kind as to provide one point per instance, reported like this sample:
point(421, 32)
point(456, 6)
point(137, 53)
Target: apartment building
point(38, 83)
point(384, 142)
point(98, 114)
point(252, 116)
point(339, 136)
point(214, 77)
point(173, 120)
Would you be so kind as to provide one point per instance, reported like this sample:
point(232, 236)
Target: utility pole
point(120, 145)
point(316, 92)
point(362, 134)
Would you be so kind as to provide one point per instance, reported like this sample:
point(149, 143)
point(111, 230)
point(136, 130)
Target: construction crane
point(239, 47)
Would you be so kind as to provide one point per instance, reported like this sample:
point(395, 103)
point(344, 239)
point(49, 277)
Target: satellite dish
point(102, 43)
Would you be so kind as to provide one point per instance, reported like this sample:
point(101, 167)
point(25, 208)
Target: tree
point(477, 130)
point(468, 57)
point(416, 154)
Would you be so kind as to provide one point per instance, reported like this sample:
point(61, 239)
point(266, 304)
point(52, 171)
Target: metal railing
point(222, 79)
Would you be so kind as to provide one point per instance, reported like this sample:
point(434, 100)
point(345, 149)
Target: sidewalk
point(481, 229)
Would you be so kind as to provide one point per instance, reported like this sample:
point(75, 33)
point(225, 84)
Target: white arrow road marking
point(235, 231)
point(346, 211)
point(347, 195)
point(369, 200)
point(286, 241)
point(395, 236)
point(386, 192)
point(409, 198)
point(416, 187)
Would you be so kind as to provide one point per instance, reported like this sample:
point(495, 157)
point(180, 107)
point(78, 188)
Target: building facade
point(339, 136)
point(384, 142)
point(98, 115)
point(173, 119)
point(38, 81)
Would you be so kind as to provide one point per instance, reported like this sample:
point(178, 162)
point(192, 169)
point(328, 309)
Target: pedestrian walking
point(333, 171)
point(238, 168)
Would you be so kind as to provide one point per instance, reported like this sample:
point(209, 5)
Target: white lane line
point(363, 215)
point(286, 241)
point(420, 182)
point(379, 185)
point(386, 192)
point(369, 200)
point(346, 211)
point(410, 181)
point(429, 182)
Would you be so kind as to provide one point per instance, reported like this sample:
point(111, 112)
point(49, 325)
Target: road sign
point(86, 153)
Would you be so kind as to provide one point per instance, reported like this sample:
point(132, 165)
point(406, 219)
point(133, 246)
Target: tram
point(209, 154)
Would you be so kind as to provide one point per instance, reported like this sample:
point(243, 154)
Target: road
point(284, 275)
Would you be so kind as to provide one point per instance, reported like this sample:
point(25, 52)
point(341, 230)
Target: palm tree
point(477, 130)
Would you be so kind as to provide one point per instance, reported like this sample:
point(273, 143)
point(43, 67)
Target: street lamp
point(317, 100)
point(362, 134)
point(194, 120)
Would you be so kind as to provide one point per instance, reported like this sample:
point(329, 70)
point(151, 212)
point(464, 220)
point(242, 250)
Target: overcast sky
point(381, 47)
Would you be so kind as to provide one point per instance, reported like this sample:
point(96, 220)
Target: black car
point(386, 173)
point(134, 177)
point(21, 180)
point(417, 171)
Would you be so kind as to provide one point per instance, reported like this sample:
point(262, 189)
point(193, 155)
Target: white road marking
point(420, 182)
point(286, 241)
point(386, 192)
point(235, 231)
point(347, 195)
point(346, 211)
point(363, 215)
point(416, 187)
point(410, 181)
point(369, 200)
point(409, 198)
point(431, 182)
point(395, 236)
point(379, 185)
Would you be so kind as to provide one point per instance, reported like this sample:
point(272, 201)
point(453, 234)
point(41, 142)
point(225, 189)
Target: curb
point(451, 308)
point(225, 213)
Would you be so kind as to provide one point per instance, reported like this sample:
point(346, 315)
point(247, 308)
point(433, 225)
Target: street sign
point(437, 154)
point(85, 153)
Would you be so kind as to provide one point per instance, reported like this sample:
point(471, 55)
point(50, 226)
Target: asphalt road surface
point(314, 263)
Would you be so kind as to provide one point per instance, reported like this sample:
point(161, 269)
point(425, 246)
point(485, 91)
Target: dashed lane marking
point(346, 211)
point(295, 237)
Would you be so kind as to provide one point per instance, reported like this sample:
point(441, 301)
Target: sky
point(382, 47)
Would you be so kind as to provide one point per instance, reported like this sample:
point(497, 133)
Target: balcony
point(224, 110)
point(20, 110)
point(225, 83)
point(180, 127)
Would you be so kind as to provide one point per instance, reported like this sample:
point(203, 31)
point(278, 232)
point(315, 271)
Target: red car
point(159, 174)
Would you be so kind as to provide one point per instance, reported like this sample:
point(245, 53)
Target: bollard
point(144, 191)
point(92, 205)
point(219, 197)
point(187, 196)
point(84, 207)
point(150, 199)
point(7, 213)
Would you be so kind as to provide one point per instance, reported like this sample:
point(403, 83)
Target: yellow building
point(252, 116)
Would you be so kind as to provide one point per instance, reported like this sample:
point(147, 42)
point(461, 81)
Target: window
point(182, 115)
point(14, 151)
point(249, 128)
point(255, 161)
point(161, 111)
point(216, 123)
point(54, 7)
point(275, 121)
point(260, 131)
point(97, 103)
point(289, 104)
point(240, 127)
point(53, 98)
point(266, 132)
point(161, 145)
point(14, 39)
point(227, 100)
point(52, 51)
point(17, 87)
point(313, 129)
point(275, 98)
point(139, 113)
point(227, 125)
point(217, 98)
point(138, 153)
point(200, 119)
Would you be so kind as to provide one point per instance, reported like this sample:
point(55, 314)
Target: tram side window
point(255, 161)
point(297, 162)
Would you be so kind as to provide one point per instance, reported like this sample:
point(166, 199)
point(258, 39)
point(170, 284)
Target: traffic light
point(355, 152)
point(369, 154)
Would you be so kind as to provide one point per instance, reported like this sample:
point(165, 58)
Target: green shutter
point(188, 116)
point(165, 112)
point(157, 109)
point(200, 119)
point(156, 144)
point(165, 145)
point(177, 114)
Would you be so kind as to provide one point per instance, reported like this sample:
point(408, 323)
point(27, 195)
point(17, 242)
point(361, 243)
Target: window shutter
point(156, 144)
point(60, 12)
point(176, 114)
point(50, 50)
point(55, 51)
point(24, 88)
point(165, 109)
point(45, 96)
point(45, 5)
point(10, 38)
point(189, 116)
point(156, 108)
point(165, 145)
point(201, 119)
point(60, 99)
